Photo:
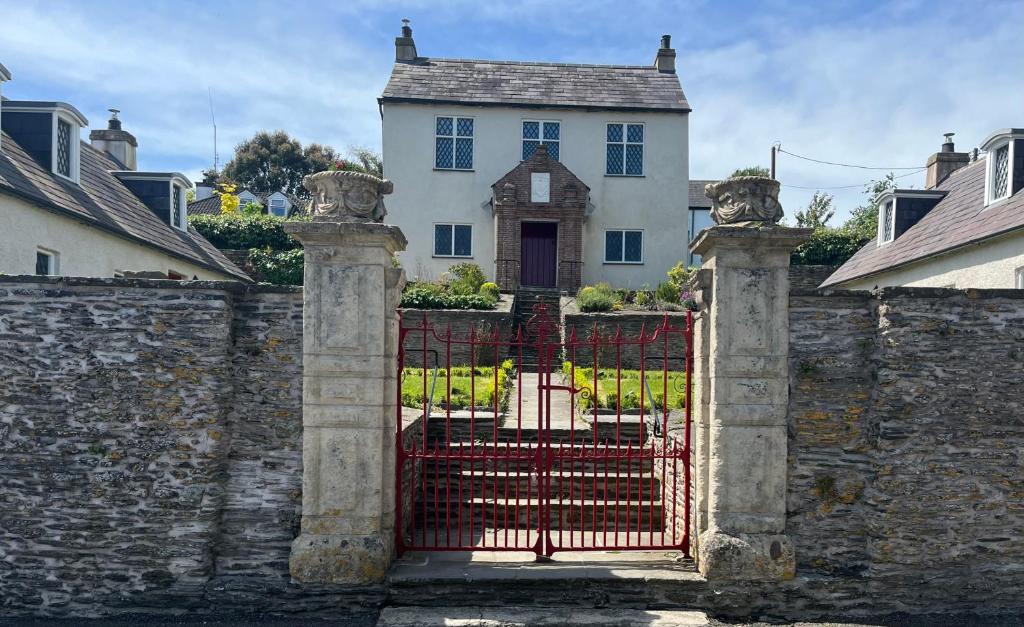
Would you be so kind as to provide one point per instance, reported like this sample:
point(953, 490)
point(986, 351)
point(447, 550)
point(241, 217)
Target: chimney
point(205, 187)
point(119, 144)
point(405, 47)
point(944, 163)
point(666, 59)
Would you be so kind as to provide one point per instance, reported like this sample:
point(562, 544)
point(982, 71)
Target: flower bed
point(470, 387)
point(628, 384)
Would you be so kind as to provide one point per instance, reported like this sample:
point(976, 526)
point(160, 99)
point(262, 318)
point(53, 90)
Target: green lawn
point(628, 382)
point(462, 383)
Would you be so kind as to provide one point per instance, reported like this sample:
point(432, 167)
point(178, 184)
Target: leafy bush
point(828, 247)
point(680, 275)
point(667, 292)
point(644, 297)
point(431, 296)
point(466, 278)
point(240, 231)
point(279, 267)
point(598, 297)
point(754, 170)
point(490, 290)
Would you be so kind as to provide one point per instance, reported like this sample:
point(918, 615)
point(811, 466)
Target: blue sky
point(871, 83)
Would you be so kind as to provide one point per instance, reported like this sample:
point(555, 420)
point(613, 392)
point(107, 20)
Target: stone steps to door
point(580, 515)
point(525, 485)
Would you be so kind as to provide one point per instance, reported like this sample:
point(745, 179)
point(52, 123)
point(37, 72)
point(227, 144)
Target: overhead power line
point(918, 171)
point(846, 165)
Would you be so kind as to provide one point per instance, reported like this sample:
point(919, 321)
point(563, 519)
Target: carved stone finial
point(744, 199)
point(342, 196)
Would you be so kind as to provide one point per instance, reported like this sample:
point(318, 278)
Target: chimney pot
point(945, 162)
point(665, 61)
point(405, 47)
point(116, 142)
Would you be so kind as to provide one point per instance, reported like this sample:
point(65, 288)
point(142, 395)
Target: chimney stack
point(119, 144)
point(666, 59)
point(944, 163)
point(405, 47)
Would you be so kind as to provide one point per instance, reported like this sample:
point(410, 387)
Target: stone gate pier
point(349, 385)
point(742, 385)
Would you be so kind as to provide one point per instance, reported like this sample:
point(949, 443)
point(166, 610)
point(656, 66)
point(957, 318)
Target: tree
point(864, 219)
point(275, 161)
point(370, 161)
point(818, 212)
point(754, 170)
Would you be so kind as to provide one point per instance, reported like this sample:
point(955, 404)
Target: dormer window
point(887, 222)
point(1003, 152)
point(1000, 183)
point(66, 146)
point(178, 218)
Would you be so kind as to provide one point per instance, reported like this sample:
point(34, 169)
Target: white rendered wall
point(992, 264)
point(657, 203)
point(83, 250)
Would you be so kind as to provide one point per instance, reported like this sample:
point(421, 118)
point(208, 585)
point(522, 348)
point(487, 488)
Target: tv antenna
point(213, 118)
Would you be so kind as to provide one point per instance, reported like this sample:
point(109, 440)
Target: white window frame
point(624, 143)
point(990, 171)
point(183, 202)
point(54, 265)
point(540, 135)
point(881, 223)
point(283, 206)
point(74, 150)
point(454, 137)
point(623, 262)
point(1020, 278)
point(452, 225)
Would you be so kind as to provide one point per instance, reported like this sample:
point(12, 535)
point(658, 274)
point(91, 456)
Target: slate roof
point(559, 85)
point(211, 205)
point(102, 201)
point(959, 219)
point(697, 197)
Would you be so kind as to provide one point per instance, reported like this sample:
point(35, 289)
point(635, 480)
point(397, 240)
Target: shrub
point(644, 297)
point(422, 297)
point(828, 247)
point(278, 267)
point(667, 292)
point(598, 297)
point(241, 232)
point(468, 301)
point(490, 290)
point(466, 278)
point(680, 275)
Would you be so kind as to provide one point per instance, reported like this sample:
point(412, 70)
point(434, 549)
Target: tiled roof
point(958, 219)
point(101, 200)
point(535, 84)
point(697, 197)
point(211, 205)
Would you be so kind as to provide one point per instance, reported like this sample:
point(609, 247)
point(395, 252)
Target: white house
point(605, 199)
point(73, 208)
point(276, 203)
point(964, 230)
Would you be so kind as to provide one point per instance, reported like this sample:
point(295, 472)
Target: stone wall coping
point(235, 287)
point(912, 292)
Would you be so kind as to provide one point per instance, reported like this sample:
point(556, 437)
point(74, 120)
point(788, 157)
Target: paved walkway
point(529, 396)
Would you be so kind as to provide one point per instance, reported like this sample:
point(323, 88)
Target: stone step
point(600, 516)
point(540, 616)
point(509, 485)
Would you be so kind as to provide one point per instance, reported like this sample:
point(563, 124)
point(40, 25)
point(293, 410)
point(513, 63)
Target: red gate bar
point(555, 486)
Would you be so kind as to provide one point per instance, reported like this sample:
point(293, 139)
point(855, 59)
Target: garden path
point(561, 412)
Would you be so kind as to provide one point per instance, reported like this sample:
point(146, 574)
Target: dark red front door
point(539, 253)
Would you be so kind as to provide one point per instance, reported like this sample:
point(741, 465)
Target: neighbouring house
point(700, 213)
point(544, 174)
point(276, 203)
point(73, 208)
point(965, 229)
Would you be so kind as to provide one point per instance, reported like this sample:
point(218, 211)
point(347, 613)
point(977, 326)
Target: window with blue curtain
point(537, 132)
point(625, 149)
point(453, 143)
point(622, 246)
point(453, 240)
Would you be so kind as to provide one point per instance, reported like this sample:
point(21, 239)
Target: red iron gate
point(533, 445)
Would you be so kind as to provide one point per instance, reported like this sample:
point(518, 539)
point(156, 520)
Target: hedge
point(240, 231)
